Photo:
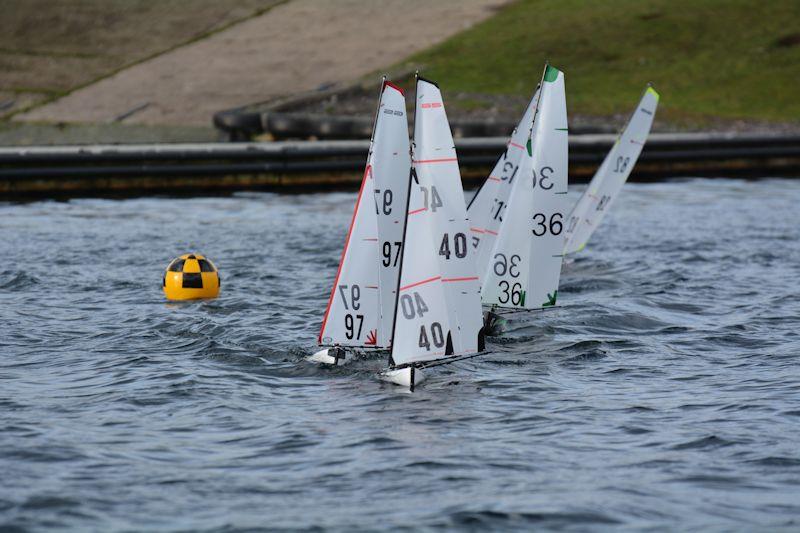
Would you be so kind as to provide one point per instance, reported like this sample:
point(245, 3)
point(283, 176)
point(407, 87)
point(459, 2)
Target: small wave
point(710, 480)
point(711, 441)
point(594, 355)
point(777, 461)
point(489, 519)
point(581, 345)
point(623, 322)
point(16, 280)
point(42, 502)
point(589, 285)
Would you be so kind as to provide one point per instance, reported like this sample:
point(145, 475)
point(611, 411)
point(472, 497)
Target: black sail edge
point(411, 176)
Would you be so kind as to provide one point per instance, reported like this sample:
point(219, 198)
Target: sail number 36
point(541, 225)
point(509, 292)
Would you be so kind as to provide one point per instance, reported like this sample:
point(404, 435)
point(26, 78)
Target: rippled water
point(665, 392)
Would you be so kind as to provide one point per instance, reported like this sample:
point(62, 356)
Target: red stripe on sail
point(420, 210)
point(442, 160)
point(515, 145)
point(417, 284)
point(446, 280)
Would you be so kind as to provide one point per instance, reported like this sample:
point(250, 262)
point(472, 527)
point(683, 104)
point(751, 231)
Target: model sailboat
point(525, 260)
point(438, 311)
point(611, 176)
point(360, 309)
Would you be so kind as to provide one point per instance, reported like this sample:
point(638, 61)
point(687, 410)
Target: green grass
point(709, 59)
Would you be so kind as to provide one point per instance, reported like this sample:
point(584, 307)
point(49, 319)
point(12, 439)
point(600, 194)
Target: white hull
point(408, 377)
point(331, 356)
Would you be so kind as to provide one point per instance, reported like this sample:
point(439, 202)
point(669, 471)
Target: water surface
point(664, 393)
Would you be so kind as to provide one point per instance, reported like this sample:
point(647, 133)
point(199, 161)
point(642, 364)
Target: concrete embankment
point(294, 47)
point(308, 165)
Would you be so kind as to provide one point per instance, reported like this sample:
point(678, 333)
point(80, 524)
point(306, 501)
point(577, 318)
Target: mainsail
point(488, 206)
point(422, 330)
point(611, 176)
point(438, 312)
point(436, 169)
point(525, 263)
point(366, 281)
point(391, 161)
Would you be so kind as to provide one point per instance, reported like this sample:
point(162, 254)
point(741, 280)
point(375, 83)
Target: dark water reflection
point(664, 393)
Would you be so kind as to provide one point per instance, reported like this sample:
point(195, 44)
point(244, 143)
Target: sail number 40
point(459, 245)
point(413, 306)
point(432, 200)
point(437, 336)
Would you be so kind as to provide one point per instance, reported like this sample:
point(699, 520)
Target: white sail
point(525, 264)
point(488, 206)
point(353, 312)
point(422, 324)
point(611, 176)
point(361, 305)
point(436, 167)
point(438, 312)
point(391, 164)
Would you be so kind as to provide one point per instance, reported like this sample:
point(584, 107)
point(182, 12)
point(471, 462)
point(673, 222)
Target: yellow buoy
point(189, 277)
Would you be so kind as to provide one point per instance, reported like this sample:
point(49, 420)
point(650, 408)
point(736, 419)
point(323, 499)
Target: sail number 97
point(355, 296)
point(350, 326)
point(351, 329)
point(385, 199)
point(542, 225)
point(391, 254)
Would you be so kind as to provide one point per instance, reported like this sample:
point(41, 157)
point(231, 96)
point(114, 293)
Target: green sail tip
point(550, 73)
point(653, 92)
